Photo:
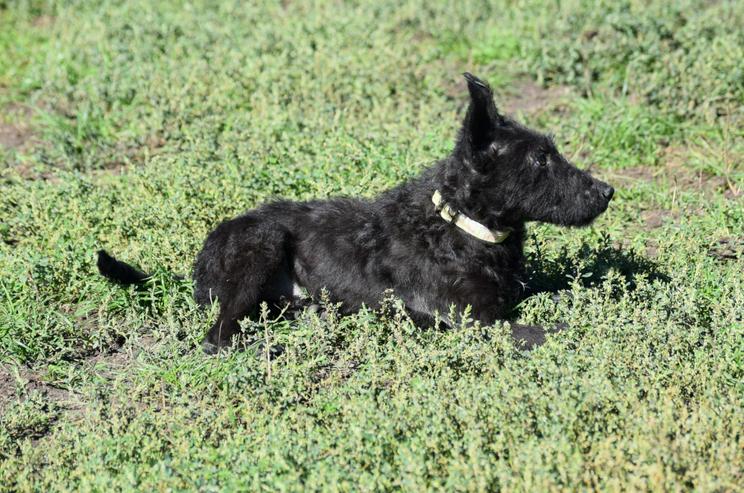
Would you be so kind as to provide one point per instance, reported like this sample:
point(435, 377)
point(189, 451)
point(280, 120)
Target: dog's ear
point(482, 118)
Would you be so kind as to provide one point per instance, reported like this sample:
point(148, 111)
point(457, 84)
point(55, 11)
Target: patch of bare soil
point(107, 364)
point(43, 21)
point(18, 382)
point(672, 177)
point(17, 132)
point(525, 97)
point(13, 136)
point(727, 249)
point(132, 153)
point(455, 89)
point(529, 98)
point(656, 218)
point(650, 246)
point(7, 386)
point(673, 173)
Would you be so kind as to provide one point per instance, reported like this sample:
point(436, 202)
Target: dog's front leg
point(222, 332)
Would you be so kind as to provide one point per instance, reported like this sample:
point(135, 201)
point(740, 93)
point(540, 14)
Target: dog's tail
point(118, 271)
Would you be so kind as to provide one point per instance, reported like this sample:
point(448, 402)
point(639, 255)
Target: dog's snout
point(608, 192)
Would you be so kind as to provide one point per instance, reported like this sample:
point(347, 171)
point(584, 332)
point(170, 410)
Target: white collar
point(471, 227)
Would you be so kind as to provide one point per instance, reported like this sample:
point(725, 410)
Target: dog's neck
point(475, 229)
point(450, 178)
point(416, 195)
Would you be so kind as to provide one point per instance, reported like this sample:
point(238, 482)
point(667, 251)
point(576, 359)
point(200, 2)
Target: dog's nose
point(608, 192)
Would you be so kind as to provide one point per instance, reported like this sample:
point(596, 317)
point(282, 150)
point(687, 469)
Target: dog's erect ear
point(482, 118)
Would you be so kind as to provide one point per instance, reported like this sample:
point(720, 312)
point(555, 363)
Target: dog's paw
point(209, 348)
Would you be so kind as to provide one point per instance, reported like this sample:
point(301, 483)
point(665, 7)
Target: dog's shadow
point(589, 266)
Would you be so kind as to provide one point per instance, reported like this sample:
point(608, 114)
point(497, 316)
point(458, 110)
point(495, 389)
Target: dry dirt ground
point(15, 127)
point(19, 383)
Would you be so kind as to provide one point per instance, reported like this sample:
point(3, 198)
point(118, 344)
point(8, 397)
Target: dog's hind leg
point(244, 262)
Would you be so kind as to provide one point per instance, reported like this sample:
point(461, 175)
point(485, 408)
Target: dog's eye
point(541, 160)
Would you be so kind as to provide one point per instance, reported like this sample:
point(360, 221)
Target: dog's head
point(514, 174)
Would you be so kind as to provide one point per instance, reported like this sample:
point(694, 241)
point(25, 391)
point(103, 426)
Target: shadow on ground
point(589, 266)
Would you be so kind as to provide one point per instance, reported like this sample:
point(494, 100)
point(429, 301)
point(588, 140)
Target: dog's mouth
point(581, 216)
point(598, 200)
point(602, 204)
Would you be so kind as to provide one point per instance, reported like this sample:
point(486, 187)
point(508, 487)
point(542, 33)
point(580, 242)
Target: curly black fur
point(500, 174)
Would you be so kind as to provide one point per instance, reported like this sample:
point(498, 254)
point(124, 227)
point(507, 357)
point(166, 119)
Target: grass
point(138, 128)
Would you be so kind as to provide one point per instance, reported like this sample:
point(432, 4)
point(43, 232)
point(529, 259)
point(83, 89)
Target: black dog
point(452, 236)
